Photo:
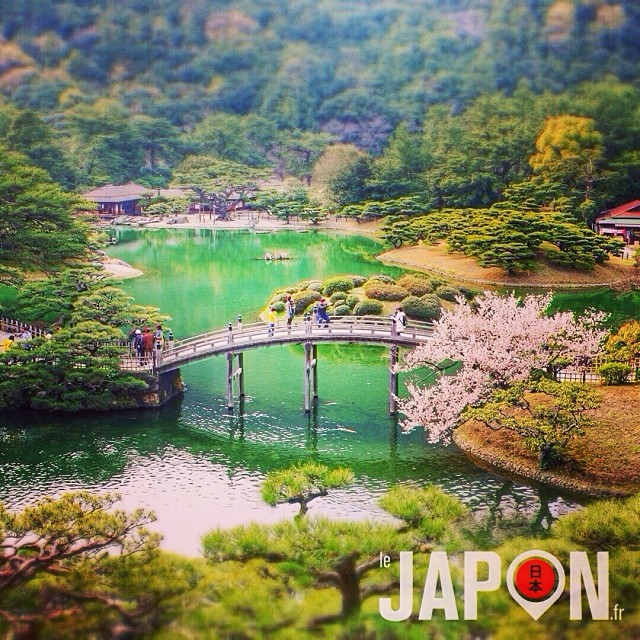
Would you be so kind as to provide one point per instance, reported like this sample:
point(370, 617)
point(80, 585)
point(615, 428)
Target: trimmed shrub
point(358, 281)
point(382, 291)
point(416, 285)
point(279, 297)
point(448, 293)
point(368, 308)
point(303, 299)
point(338, 295)
point(427, 307)
point(342, 310)
point(352, 301)
point(467, 293)
point(337, 284)
point(614, 372)
point(278, 306)
point(315, 285)
point(435, 283)
point(383, 278)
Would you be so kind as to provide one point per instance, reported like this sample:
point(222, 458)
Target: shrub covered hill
point(352, 69)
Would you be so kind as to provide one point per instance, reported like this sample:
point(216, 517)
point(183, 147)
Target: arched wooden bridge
point(234, 340)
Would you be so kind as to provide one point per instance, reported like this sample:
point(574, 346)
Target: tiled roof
point(628, 210)
point(117, 192)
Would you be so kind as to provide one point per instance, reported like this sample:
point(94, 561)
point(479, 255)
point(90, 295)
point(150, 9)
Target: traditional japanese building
point(123, 199)
point(623, 221)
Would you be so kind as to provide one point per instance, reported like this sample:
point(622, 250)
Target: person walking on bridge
point(290, 310)
point(271, 320)
point(147, 340)
point(399, 320)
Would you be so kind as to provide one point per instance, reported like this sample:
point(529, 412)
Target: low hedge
point(314, 285)
point(427, 307)
point(303, 299)
point(338, 295)
point(415, 284)
point(448, 293)
point(383, 278)
point(613, 373)
point(368, 308)
point(378, 290)
point(352, 301)
point(342, 310)
point(332, 285)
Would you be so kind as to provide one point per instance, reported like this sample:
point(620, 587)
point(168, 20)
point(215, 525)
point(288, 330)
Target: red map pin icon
point(535, 580)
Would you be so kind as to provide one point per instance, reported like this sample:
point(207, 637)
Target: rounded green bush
point(278, 306)
point(415, 284)
point(467, 293)
point(352, 301)
point(342, 310)
point(303, 299)
point(279, 296)
point(427, 307)
point(614, 373)
point(383, 278)
point(338, 295)
point(332, 285)
point(314, 285)
point(358, 281)
point(448, 293)
point(368, 308)
point(382, 291)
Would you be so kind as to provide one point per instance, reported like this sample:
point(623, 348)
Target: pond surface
point(199, 467)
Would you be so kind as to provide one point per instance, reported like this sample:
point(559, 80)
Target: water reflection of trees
point(92, 451)
point(509, 509)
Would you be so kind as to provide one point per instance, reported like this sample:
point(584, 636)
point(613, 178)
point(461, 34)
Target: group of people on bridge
point(146, 343)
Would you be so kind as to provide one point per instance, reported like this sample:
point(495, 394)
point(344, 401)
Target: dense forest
point(528, 106)
point(351, 70)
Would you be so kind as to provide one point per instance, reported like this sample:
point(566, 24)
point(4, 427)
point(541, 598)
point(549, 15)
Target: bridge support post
point(229, 394)
point(310, 375)
point(231, 375)
point(393, 379)
point(314, 370)
point(241, 375)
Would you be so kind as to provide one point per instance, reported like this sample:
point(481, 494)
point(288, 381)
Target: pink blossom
point(499, 340)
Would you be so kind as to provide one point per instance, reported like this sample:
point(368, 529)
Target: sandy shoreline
point(265, 223)
point(431, 259)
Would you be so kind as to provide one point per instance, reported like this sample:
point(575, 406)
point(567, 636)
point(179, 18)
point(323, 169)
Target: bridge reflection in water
point(234, 340)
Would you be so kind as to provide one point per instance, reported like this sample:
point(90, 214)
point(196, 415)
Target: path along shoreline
point(121, 270)
point(404, 257)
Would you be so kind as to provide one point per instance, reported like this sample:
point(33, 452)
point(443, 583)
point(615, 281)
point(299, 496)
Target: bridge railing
point(362, 328)
point(10, 325)
point(337, 323)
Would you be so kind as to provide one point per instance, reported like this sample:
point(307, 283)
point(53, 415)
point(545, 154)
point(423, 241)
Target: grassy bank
point(436, 259)
point(604, 462)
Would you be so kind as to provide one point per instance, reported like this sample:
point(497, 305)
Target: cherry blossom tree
point(488, 344)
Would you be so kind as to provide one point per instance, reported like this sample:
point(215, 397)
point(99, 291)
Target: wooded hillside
point(353, 69)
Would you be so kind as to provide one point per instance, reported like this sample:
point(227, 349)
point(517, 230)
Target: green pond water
point(199, 467)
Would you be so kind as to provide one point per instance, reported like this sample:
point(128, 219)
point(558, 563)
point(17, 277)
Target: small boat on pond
point(275, 255)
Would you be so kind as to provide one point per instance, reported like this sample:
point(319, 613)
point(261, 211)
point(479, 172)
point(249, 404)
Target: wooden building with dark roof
point(123, 199)
point(622, 221)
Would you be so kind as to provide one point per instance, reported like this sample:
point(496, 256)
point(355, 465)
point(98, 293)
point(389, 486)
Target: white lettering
point(581, 571)
point(471, 583)
point(405, 606)
point(438, 572)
